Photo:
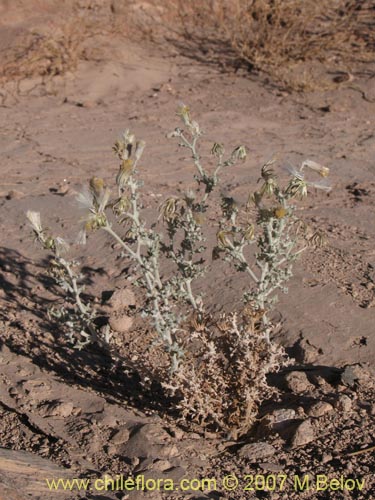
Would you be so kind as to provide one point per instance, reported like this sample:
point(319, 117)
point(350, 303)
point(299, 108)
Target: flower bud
point(217, 150)
point(96, 187)
point(223, 240)
point(239, 153)
point(248, 233)
point(316, 167)
point(124, 173)
point(168, 209)
point(140, 146)
point(184, 113)
point(280, 212)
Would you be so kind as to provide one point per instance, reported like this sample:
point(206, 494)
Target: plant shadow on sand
point(44, 341)
point(94, 368)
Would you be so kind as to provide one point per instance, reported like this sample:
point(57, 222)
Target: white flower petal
point(294, 172)
point(81, 238)
point(85, 198)
point(34, 219)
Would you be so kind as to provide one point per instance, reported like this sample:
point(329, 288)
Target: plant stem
point(159, 321)
point(76, 293)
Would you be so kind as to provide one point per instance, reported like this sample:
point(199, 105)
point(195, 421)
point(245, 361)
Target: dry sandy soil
point(68, 413)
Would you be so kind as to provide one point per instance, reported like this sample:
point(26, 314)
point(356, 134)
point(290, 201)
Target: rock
point(271, 467)
point(298, 382)
point(348, 376)
point(304, 434)
point(120, 436)
point(167, 87)
point(323, 384)
point(22, 476)
point(105, 420)
point(61, 409)
point(9, 493)
point(14, 195)
point(116, 307)
point(149, 441)
point(200, 497)
point(194, 435)
point(174, 473)
point(86, 104)
point(61, 190)
point(39, 388)
point(143, 466)
point(256, 451)
point(155, 465)
point(283, 414)
point(278, 421)
point(120, 323)
point(343, 403)
point(353, 374)
point(177, 433)
point(120, 299)
point(319, 409)
point(306, 352)
point(327, 457)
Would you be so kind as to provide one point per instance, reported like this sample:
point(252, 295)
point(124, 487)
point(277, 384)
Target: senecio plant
point(216, 366)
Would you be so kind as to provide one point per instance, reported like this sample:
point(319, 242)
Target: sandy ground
point(75, 409)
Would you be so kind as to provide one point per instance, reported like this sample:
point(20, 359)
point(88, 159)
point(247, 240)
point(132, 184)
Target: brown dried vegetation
point(295, 43)
point(222, 380)
point(278, 37)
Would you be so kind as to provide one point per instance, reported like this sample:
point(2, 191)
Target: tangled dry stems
point(281, 38)
point(278, 37)
point(56, 48)
point(223, 381)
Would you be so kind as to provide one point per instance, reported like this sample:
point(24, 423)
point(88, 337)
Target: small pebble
point(304, 434)
point(327, 457)
point(256, 451)
point(319, 409)
point(283, 414)
point(298, 382)
point(15, 195)
point(344, 403)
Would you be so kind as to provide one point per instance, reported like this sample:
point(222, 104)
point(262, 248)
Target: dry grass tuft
point(56, 45)
point(44, 54)
point(281, 38)
point(294, 42)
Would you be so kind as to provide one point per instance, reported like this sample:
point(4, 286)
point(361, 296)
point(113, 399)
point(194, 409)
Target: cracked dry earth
point(68, 413)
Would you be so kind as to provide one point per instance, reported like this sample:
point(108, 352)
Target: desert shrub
point(280, 38)
point(216, 365)
point(55, 47)
point(43, 54)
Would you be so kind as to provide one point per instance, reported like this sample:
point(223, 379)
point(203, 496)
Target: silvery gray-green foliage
point(167, 297)
point(79, 318)
point(223, 382)
point(271, 226)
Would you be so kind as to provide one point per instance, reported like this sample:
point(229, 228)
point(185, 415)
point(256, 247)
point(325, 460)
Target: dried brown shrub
point(44, 54)
point(54, 43)
point(281, 38)
point(222, 378)
point(278, 37)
